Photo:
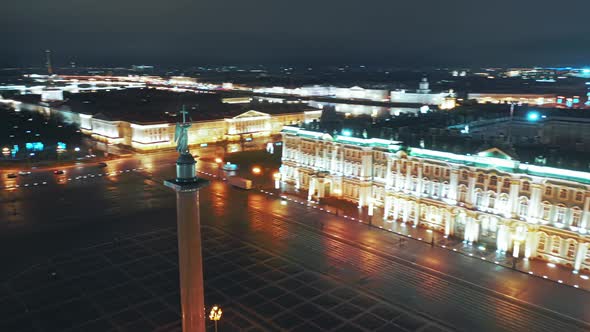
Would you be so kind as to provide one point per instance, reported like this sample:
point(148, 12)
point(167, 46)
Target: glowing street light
point(218, 160)
point(215, 315)
point(256, 170)
point(5, 151)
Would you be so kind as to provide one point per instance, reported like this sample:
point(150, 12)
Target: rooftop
point(142, 105)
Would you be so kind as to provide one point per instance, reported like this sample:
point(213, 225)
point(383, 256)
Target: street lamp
point(215, 315)
point(256, 170)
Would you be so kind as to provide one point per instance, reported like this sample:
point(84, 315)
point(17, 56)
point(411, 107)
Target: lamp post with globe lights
point(215, 315)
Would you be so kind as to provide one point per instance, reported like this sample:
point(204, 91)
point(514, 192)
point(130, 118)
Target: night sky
point(394, 32)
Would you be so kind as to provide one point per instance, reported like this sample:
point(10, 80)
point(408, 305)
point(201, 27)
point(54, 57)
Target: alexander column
point(190, 260)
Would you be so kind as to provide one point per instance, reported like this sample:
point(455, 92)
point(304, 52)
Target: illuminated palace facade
point(521, 209)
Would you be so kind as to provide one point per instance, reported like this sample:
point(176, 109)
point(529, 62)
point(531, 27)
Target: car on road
point(24, 173)
point(58, 171)
point(11, 175)
point(102, 164)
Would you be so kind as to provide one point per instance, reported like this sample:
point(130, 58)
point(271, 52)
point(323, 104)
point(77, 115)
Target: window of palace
point(464, 175)
point(462, 194)
point(507, 183)
point(445, 190)
point(555, 243)
point(579, 196)
point(493, 181)
point(426, 169)
point(436, 171)
point(576, 216)
point(526, 186)
point(523, 208)
point(435, 188)
point(478, 199)
point(447, 173)
point(480, 178)
point(563, 193)
point(491, 200)
point(571, 249)
point(546, 210)
point(542, 242)
point(548, 191)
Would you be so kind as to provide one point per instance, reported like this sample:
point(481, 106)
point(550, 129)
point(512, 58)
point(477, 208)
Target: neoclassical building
point(527, 211)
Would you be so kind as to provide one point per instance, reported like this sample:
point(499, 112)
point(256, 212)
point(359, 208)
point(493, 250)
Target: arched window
point(464, 175)
point(548, 191)
point(563, 193)
point(462, 194)
point(571, 249)
point(542, 242)
point(502, 202)
point(507, 183)
point(546, 211)
point(445, 190)
point(491, 199)
point(523, 207)
point(435, 188)
point(576, 216)
point(479, 199)
point(526, 186)
point(555, 243)
point(493, 181)
point(480, 178)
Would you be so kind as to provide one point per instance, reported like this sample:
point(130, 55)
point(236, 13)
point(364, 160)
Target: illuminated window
point(548, 191)
point(546, 210)
point(480, 178)
point(563, 193)
point(560, 215)
point(493, 181)
point(576, 217)
point(523, 208)
point(542, 242)
point(555, 243)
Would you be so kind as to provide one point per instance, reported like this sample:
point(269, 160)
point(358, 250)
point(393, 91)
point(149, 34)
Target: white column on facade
point(417, 214)
point(386, 207)
point(388, 180)
point(502, 238)
point(467, 233)
point(396, 205)
point(474, 230)
point(408, 185)
point(470, 189)
point(530, 244)
point(586, 212)
point(580, 255)
point(513, 197)
point(297, 178)
point(311, 188)
point(449, 223)
point(398, 175)
point(535, 201)
point(454, 184)
point(420, 184)
point(406, 210)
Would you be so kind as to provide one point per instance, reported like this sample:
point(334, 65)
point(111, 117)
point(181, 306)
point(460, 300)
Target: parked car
point(24, 173)
point(58, 171)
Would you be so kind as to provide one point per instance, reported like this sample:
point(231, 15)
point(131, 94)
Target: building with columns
point(524, 210)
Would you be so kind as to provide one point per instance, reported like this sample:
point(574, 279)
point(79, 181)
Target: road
point(90, 205)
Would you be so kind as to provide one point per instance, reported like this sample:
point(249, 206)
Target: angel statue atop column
point(181, 133)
